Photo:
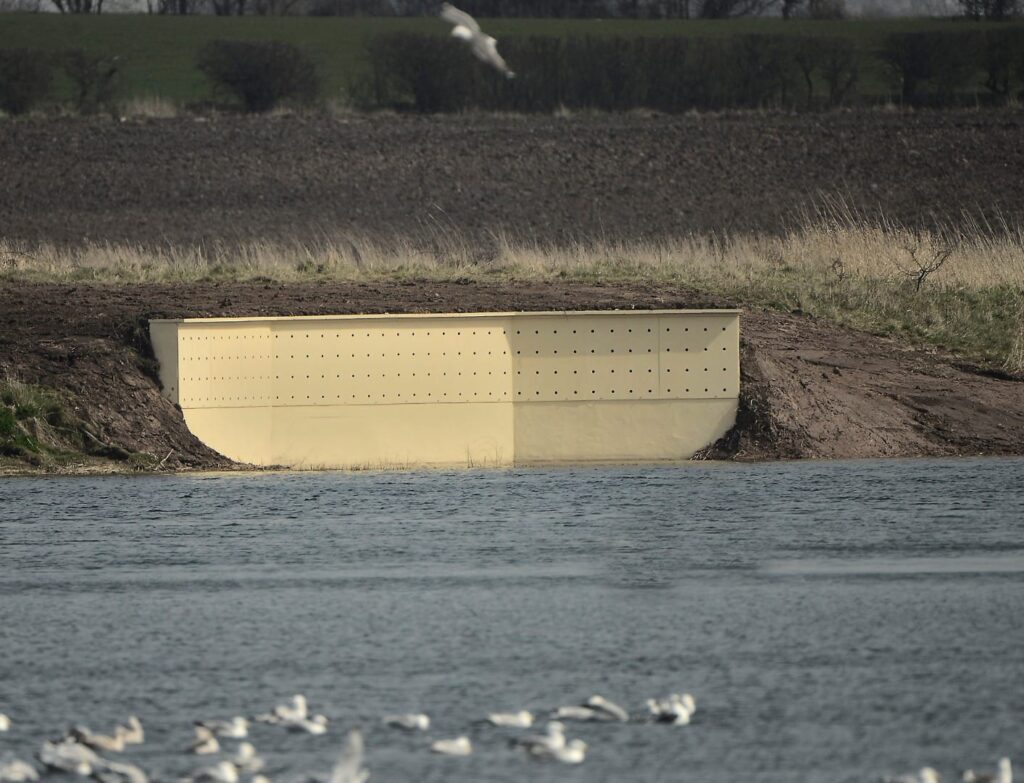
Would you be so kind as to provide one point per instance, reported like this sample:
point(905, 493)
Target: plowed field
point(229, 178)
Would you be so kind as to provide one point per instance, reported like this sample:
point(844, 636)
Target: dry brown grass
point(148, 107)
point(869, 274)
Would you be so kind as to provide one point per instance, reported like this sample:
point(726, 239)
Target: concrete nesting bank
point(360, 391)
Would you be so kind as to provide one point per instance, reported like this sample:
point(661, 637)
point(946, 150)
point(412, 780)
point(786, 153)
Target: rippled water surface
point(834, 620)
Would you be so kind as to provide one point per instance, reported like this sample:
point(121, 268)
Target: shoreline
point(809, 389)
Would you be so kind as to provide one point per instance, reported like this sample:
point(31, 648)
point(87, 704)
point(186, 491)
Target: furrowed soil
point(611, 177)
point(810, 390)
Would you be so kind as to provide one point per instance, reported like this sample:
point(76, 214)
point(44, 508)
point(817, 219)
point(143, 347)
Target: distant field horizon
point(158, 53)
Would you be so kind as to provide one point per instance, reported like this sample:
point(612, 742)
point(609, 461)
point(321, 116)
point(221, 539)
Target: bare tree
point(229, 7)
point(727, 9)
point(19, 5)
point(990, 10)
point(789, 6)
point(79, 6)
point(826, 9)
point(274, 7)
point(923, 263)
point(173, 7)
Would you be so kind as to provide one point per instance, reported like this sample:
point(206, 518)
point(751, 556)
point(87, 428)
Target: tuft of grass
point(1014, 362)
point(38, 428)
point(148, 107)
point(852, 269)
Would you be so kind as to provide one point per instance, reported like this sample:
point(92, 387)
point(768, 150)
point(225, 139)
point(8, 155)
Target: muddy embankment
point(810, 390)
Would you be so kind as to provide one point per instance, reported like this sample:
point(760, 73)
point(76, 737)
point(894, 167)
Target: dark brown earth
point(228, 178)
point(810, 390)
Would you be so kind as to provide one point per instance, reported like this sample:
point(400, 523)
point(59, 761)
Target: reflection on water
point(835, 620)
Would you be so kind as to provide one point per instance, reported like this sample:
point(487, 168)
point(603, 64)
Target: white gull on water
point(677, 709)
point(205, 743)
point(221, 772)
point(609, 708)
point(553, 739)
point(14, 770)
point(110, 743)
point(133, 733)
point(924, 775)
point(519, 720)
point(315, 725)
point(1003, 774)
point(460, 746)
point(579, 712)
point(295, 711)
point(483, 46)
point(595, 708)
point(68, 756)
point(574, 752)
point(119, 772)
point(246, 760)
point(410, 721)
point(236, 728)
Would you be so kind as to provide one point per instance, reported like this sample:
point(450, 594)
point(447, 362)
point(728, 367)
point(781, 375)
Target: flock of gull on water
point(78, 751)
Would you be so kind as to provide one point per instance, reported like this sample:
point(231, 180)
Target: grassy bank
point(959, 289)
point(39, 430)
point(158, 53)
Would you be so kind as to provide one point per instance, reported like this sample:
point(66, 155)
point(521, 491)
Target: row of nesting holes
point(398, 396)
point(649, 391)
point(309, 377)
point(324, 396)
point(397, 375)
point(629, 372)
point(352, 335)
point(384, 355)
point(323, 335)
point(612, 331)
point(322, 356)
point(612, 350)
point(336, 397)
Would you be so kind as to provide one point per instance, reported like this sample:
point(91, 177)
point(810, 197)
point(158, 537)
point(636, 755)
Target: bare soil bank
point(230, 178)
point(810, 390)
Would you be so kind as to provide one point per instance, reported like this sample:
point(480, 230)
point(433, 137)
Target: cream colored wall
point(476, 389)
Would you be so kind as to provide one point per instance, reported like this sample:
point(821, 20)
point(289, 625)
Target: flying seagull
point(482, 45)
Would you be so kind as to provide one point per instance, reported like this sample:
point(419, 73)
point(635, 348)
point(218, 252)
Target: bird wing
point(486, 49)
point(452, 14)
point(348, 769)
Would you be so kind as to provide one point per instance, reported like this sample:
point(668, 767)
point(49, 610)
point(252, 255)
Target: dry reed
point(871, 274)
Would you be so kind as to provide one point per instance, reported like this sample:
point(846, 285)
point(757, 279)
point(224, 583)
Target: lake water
point(835, 620)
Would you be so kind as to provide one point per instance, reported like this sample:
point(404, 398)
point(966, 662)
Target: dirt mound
point(809, 389)
point(609, 177)
point(813, 390)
